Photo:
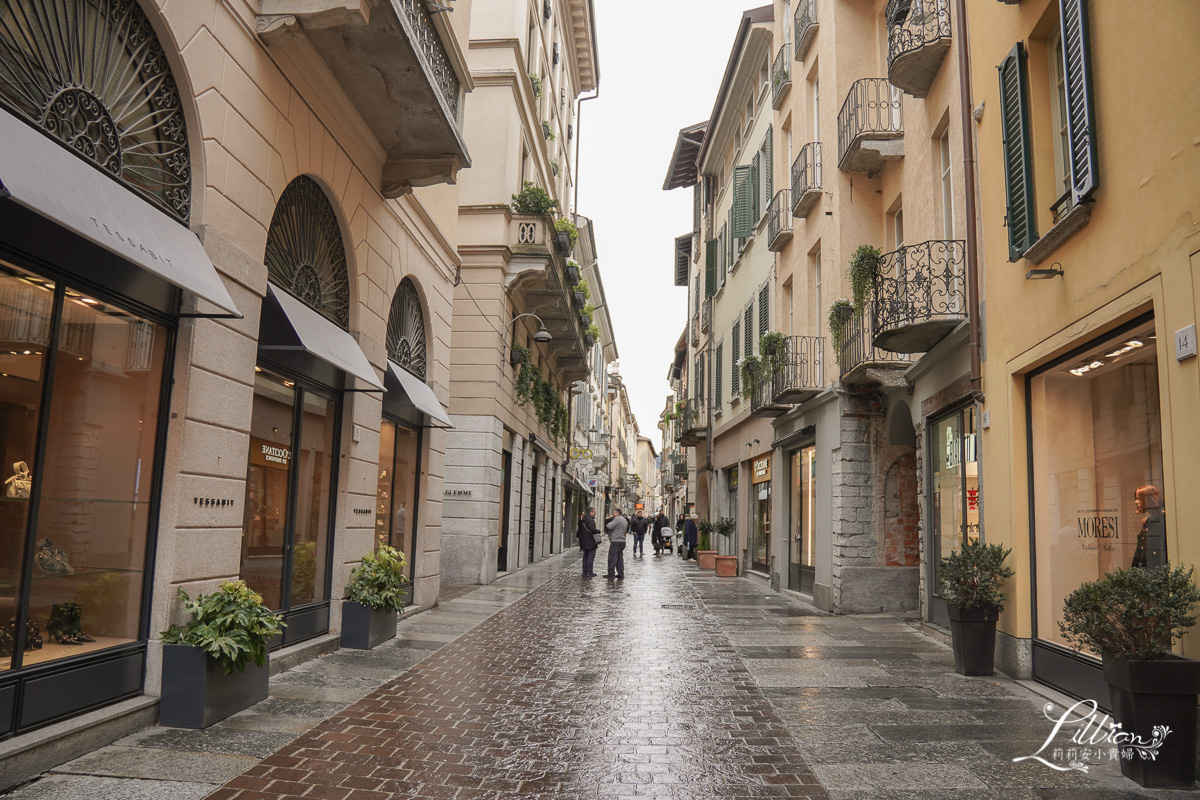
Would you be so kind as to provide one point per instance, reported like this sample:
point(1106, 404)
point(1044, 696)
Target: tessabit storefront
point(95, 260)
point(1096, 485)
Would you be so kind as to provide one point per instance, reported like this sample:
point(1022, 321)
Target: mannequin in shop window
point(1152, 538)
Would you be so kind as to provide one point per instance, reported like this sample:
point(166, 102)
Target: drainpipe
point(578, 136)
point(964, 87)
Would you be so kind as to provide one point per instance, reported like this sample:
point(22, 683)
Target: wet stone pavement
point(671, 683)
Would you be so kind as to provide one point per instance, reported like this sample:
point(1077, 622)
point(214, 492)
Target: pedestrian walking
point(617, 527)
point(691, 535)
point(656, 532)
point(639, 525)
point(679, 526)
point(589, 540)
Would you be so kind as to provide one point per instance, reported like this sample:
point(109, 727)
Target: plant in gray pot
point(1132, 618)
point(970, 581)
point(374, 596)
point(216, 664)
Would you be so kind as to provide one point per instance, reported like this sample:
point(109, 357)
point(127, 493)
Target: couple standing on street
point(617, 526)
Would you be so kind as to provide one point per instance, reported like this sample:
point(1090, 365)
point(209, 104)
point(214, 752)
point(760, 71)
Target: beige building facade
point(247, 345)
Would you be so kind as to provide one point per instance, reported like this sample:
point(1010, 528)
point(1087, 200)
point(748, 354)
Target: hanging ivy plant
point(771, 345)
point(751, 369)
point(839, 318)
point(528, 378)
point(864, 267)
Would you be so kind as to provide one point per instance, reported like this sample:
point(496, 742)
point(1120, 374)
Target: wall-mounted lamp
point(436, 8)
point(542, 335)
point(1055, 270)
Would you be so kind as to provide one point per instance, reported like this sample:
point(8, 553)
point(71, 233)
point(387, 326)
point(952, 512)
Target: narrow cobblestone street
point(670, 683)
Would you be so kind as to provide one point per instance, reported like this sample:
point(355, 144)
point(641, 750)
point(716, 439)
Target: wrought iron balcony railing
point(806, 27)
point(920, 295)
point(806, 179)
point(695, 329)
point(870, 126)
point(859, 361)
point(779, 221)
point(803, 375)
point(762, 396)
point(692, 425)
point(781, 75)
point(918, 39)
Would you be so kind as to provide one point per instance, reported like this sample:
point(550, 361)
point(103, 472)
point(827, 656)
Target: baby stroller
point(668, 539)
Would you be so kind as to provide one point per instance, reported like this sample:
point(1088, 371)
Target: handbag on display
point(51, 559)
point(21, 481)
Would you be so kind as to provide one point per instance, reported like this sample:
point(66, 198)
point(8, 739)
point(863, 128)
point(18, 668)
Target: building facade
point(229, 285)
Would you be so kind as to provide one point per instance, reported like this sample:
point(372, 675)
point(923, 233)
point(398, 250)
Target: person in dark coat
point(589, 540)
point(691, 536)
point(656, 532)
point(617, 526)
point(639, 525)
point(1152, 538)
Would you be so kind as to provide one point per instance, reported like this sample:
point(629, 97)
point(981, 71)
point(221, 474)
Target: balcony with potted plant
point(918, 40)
point(870, 126)
point(388, 58)
point(766, 376)
point(860, 363)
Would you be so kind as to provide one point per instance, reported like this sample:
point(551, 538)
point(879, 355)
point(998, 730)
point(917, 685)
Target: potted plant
point(706, 557)
point(549, 134)
point(751, 368)
point(772, 345)
point(970, 581)
point(572, 271)
point(1132, 617)
point(839, 320)
point(535, 80)
point(373, 597)
point(566, 234)
point(726, 566)
point(532, 200)
point(864, 267)
point(216, 664)
point(555, 167)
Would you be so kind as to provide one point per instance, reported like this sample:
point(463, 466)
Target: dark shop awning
point(307, 330)
point(398, 379)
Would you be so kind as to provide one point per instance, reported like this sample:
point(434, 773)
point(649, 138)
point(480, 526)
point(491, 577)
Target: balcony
point(706, 315)
point(803, 375)
point(779, 221)
point(920, 295)
point(781, 76)
point(870, 126)
point(806, 179)
point(693, 428)
point(918, 40)
point(694, 329)
point(806, 27)
point(762, 398)
point(537, 276)
point(390, 61)
point(860, 363)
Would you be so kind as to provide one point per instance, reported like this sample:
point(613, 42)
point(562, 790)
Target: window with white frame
point(947, 186)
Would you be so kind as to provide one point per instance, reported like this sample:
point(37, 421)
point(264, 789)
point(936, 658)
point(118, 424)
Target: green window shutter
point(718, 375)
point(769, 169)
point(764, 309)
point(730, 241)
point(1018, 161)
point(755, 183)
point(1081, 117)
point(683, 259)
point(710, 267)
point(722, 260)
point(748, 327)
point(735, 377)
point(743, 201)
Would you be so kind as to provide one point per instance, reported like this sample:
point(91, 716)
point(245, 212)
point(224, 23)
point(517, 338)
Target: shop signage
point(268, 454)
point(1097, 523)
point(733, 478)
point(457, 493)
point(762, 470)
point(277, 455)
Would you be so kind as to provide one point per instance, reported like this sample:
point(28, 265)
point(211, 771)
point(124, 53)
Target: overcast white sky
point(661, 63)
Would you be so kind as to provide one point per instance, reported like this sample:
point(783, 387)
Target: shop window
point(96, 79)
point(801, 572)
point(1097, 469)
point(93, 489)
point(396, 498)
point(954, 493)
point(760, 503)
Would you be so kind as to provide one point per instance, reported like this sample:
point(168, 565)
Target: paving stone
point(78, 787)
point(891, 777)
point(154, 764)
point(211, 740)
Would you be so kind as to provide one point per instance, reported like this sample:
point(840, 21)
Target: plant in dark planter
point(535, 81)
point(572, 272)
point(772, 346)
point(216, 664)
point(1132, 617)
point(970, 580)
point(566, 235)
point(374, 595)
point(547, 131)
point(591, 335)
point(578, 299)
point(751, 369)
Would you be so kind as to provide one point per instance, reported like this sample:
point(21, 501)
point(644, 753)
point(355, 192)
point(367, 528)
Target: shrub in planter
point(970, 580)
point(572, 271)
point(216, 664)
point(532, 200)
point(1132, 617)
point(374, 595)
point(535, 80)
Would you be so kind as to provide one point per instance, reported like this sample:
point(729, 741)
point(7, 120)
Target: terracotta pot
point(727, 566)
point(707, 559)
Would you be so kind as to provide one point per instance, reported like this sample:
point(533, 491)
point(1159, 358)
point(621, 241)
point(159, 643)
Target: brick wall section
point(901, 514)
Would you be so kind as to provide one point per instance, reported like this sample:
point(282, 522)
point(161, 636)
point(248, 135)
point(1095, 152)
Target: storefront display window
point(801, 573)
point(954, 499)
point(93, 488)
point(1097, 469)
point(395, 508)
point(760, 491)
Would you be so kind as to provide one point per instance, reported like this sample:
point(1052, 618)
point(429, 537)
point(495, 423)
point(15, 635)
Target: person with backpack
point(589, 541)
point(656, 532)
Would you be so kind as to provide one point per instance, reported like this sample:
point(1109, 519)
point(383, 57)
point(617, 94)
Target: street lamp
point(542, 335)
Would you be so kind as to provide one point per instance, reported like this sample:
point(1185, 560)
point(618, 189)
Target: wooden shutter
point(748, 327)
point(1081, 118)
point(718, 375)
point(735, 377)
point(683, 259)
point(710, 267)
point(755, 186)
point(731, 244)
point(769, 167)
point(722, 256)
point(764, 310)
point(743, 200)
point(1018, 161)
